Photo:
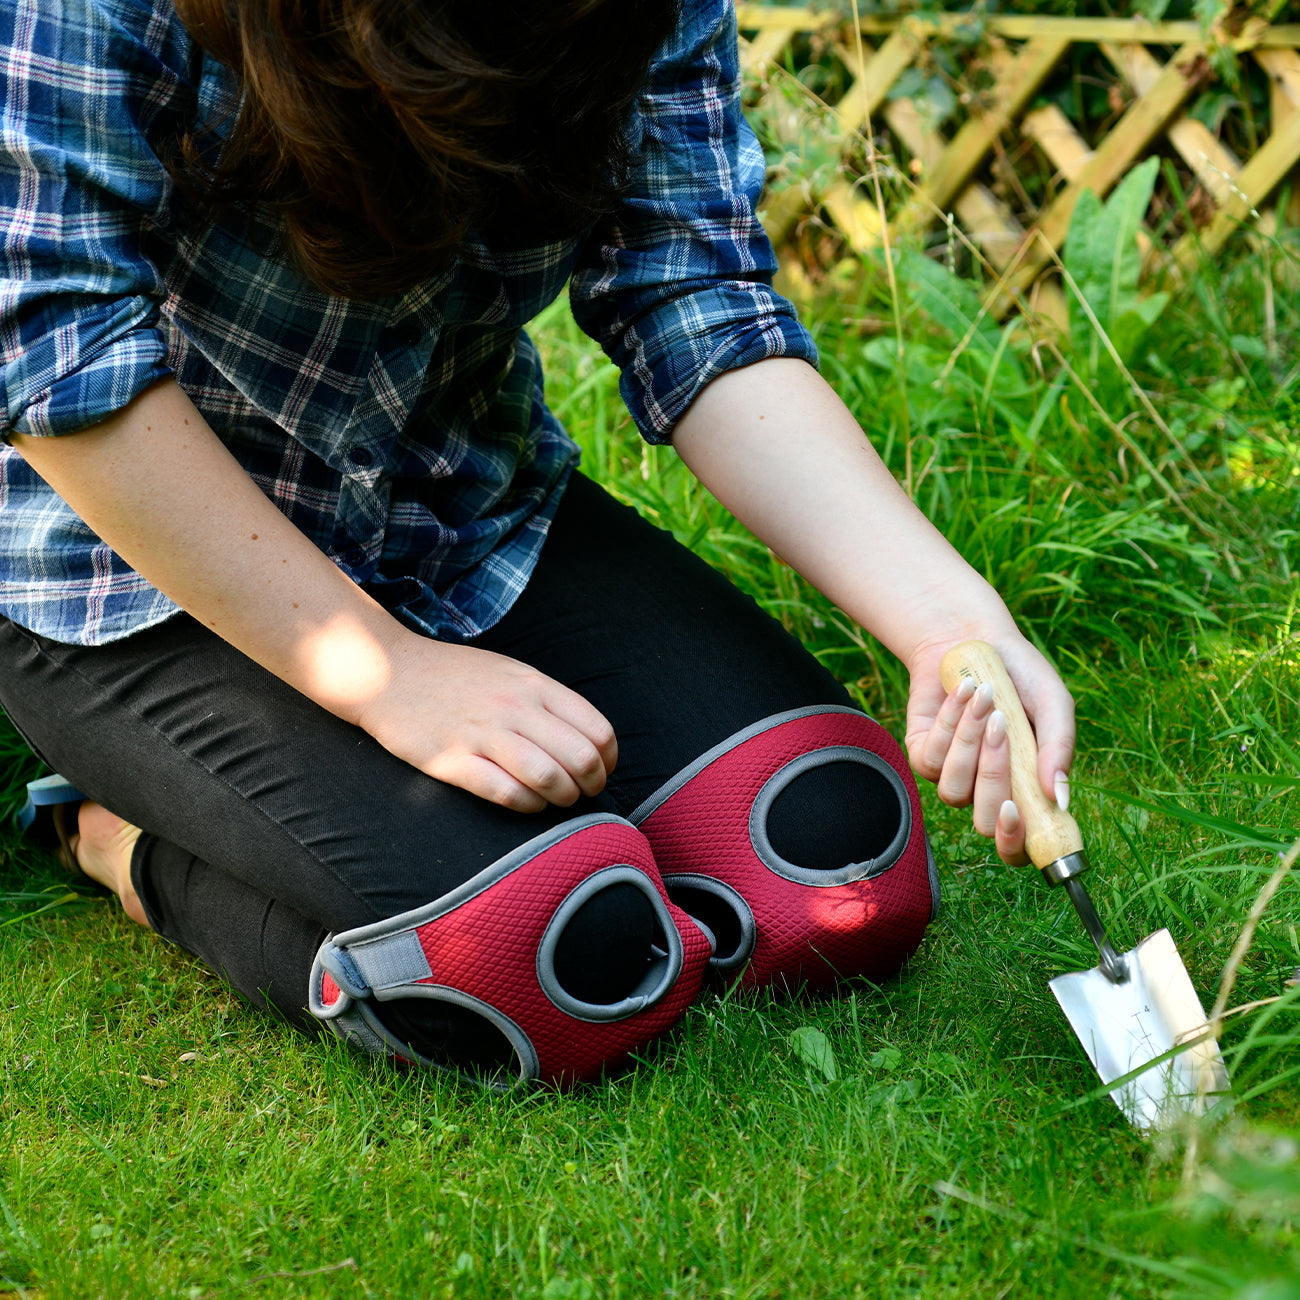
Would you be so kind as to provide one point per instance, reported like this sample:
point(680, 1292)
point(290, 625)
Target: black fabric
point(717, 915)
point(260, 946)
point(832, 815)
point(449, 1035)
point(269, 822)
point(604, 950)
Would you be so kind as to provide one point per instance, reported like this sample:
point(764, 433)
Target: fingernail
point(1009, 816)
point(965, 689)
point(1062, 787)
point(995, 731)
point(983, 697)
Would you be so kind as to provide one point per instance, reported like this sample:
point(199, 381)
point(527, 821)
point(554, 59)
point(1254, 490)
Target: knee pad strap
point(710, 826)
point(489, 947)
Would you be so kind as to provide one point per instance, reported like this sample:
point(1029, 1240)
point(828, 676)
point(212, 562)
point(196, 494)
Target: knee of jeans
point(553, 963)
point(598, 957)
point(799, 843)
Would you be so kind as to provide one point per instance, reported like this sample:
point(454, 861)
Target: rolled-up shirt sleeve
point(81, 186)
point(676, 285)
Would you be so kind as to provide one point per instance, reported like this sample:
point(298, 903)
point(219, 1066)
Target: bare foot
point(103, 845)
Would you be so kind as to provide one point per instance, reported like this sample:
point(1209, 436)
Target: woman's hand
point(491, 725)
point(958, 740)
point(780, 450)
point(158, 486)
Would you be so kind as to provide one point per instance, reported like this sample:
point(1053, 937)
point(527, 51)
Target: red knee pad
point(489, 947)
point(772, 919)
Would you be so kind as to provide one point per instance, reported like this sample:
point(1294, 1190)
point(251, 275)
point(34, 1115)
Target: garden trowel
point(1136, 1013)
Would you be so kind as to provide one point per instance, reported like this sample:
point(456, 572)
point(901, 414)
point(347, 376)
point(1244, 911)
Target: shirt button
point(354, 557)
point(360, 456)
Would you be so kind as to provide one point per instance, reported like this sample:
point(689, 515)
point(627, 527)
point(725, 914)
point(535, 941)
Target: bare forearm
point(160, 488)
point(776, 445)
point(781, 451)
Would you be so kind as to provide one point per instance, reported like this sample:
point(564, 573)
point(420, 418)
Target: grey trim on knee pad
point(675, 783)
point(729, 897)
point(660, 977)
point(935, 890)
point(851, 871)
point(355, 1022)
point(777, 782)
point(385, 961)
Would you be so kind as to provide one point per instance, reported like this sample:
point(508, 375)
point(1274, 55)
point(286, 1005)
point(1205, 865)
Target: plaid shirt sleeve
point(676, 285)
point(80, 187)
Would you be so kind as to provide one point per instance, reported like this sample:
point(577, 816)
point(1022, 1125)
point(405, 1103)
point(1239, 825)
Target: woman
point(377, 704)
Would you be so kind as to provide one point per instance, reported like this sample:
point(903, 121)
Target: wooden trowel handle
point(1049, 833)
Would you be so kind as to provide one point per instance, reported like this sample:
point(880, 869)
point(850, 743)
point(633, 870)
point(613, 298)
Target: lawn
point(1133, 488)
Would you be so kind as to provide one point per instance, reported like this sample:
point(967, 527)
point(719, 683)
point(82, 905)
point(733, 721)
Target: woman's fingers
point(957, 780)
point(933, 748)
point(488, 780)
point(959, 741)
point(975, 767)
point(993, 778)
point(593, 747)
point(493, 726)
point(1050, 709)
point(1009, 837)
point(553, 761)
point(1054, 725)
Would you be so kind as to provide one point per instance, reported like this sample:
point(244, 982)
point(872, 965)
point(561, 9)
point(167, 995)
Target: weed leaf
point(813, 1048)
point(1104, 262)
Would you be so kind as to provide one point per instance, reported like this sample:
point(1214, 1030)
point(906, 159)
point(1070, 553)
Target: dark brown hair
point(377, 132)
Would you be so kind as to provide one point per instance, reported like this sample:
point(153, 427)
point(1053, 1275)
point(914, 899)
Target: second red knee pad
point(779, 920)
point(489, 951)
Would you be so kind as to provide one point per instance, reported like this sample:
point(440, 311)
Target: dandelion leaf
point(1104, 263)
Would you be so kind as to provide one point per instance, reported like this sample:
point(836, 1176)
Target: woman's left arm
point(779, 449)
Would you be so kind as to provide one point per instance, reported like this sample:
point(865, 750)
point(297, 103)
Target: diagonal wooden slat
point(864, 97)
point(1283, 68)
point(982, 215)
point(765, 48)
point(1256, 180)
point(952, 167)
point(944, 175)
point(1212, 163)
point(1054, 134)
point(1014, 88)
point(1088, 30)
point(759, 17)
point(1068, 152)
point(1130, 136)
point(985, 219)
point(855, 214)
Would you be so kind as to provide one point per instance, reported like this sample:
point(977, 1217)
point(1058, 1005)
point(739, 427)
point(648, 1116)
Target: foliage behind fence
point(984, 130)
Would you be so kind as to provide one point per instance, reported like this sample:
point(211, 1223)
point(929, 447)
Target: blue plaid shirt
point(406, 436)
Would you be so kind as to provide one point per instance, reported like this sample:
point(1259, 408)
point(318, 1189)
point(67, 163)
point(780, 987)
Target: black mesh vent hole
point(713, 912)
point(832, 815)
point(604, 950)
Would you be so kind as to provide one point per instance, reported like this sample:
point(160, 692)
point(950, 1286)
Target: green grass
point(157, 1138)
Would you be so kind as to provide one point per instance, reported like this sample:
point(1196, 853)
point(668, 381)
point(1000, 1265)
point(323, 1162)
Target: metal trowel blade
point(1126, 1026)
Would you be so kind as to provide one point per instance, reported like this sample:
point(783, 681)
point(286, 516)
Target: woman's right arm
point(158, 486)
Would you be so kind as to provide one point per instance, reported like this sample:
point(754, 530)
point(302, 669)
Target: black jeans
point(268, 822)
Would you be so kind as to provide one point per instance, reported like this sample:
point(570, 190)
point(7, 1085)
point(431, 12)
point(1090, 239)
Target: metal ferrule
point(1066, 871)
point(1066, 868)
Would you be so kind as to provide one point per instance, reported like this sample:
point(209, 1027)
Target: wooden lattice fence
point(963, 178)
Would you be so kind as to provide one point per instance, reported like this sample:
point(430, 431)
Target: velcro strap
point(344, 970)
point(391, 960)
